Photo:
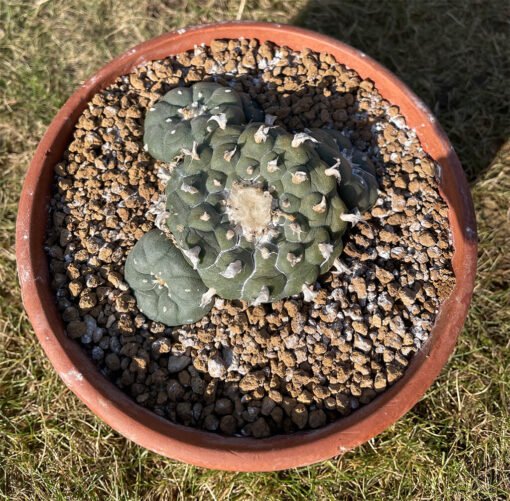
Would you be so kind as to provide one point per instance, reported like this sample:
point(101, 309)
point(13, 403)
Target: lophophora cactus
point(165, 285)
point(184, 117)
point(357, 184)
point(258, 213)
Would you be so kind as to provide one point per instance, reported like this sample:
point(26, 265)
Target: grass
point(455, 444)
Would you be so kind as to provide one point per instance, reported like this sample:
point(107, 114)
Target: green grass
point(455, 444)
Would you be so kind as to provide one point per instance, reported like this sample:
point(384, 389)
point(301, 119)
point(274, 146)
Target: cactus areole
point(256, 212)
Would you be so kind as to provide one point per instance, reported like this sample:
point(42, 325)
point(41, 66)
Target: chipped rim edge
point(198, 447)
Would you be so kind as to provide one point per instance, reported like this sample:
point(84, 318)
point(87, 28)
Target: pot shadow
point(454, 56)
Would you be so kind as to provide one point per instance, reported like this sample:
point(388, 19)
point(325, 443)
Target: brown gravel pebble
point(317, 418)
point(228, 425)
point(76, 329)
point(299, 416)
point(260, 428)
point(273, 368)
point(177, 363)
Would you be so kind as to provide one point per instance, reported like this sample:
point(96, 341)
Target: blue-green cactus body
point(255, 213)
point(185, 116)
point(166, 287)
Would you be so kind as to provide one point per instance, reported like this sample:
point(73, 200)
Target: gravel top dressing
point(298, 363)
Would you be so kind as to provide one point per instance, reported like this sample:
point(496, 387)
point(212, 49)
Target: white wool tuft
point(263, 296)
point(299, 177)
point(193, 152)
point(326, 250)
point(229, 154)
point(265, 253)
point(308, 293)
point(353, 218)
point(340, 267)
point(187, 188)
point(163, 175)
point(160, 221)
point(272, 165)
point(220, 119)
point(192, 254)
point(261, 134)
point(333, 170)
point(293, 259)
point(321, 206)
point(300, 138)
point(233, 269)
point(207, 297)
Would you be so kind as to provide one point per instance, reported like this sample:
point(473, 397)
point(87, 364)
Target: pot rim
point(198, 447)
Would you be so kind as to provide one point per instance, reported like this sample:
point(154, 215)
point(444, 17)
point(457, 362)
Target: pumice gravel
point(297, 363)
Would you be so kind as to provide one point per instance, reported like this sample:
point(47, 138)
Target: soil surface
point(274, 368)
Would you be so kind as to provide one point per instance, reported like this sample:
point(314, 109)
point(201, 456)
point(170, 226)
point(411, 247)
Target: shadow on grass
point(454, 55)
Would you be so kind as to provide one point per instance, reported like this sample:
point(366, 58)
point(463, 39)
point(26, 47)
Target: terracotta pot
point(198, 447)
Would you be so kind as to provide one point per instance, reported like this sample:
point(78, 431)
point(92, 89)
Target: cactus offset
point(185, 116)
point(166, 287)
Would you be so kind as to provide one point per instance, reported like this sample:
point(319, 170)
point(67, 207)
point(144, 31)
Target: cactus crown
point(257, 212)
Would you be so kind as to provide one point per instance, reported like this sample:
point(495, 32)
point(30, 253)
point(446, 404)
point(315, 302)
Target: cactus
point(166, 287)
point(357, 180)
point(185, 116)
point(255, 212)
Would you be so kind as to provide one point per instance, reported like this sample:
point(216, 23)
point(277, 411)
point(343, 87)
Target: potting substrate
point(294, 364)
